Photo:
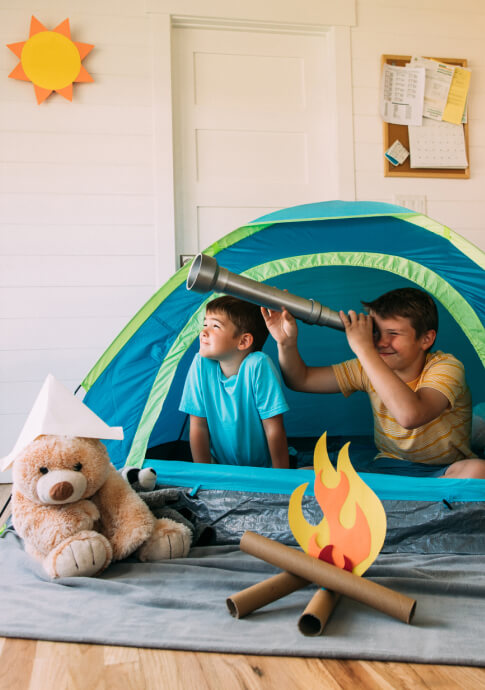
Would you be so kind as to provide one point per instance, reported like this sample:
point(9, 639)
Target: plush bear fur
point(76, 513)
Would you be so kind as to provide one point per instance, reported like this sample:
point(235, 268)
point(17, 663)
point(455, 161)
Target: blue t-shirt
point(235, 406)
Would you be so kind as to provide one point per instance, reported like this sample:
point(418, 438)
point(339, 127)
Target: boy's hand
point(281, 325)
point(359, 329)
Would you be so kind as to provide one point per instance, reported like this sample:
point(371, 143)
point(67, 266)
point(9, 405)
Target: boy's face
point(396, 343)
point(218, 337)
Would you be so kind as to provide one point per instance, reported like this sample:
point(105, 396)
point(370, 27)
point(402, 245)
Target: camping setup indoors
point(242, 337)
point(432, 545)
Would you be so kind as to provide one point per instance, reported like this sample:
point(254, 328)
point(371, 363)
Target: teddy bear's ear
point(16, 454)
point(95, 442)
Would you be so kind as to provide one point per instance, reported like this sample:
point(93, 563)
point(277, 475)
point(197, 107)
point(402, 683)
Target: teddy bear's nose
point(61, 491)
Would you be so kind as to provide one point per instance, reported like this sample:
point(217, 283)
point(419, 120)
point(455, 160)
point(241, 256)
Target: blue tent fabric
point(365, 230)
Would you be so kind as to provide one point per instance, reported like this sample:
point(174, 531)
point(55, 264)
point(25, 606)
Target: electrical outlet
point(185, 259)
point(411, 201)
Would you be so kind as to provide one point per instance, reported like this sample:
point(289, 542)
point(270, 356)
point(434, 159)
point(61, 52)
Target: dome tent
point(335, 252)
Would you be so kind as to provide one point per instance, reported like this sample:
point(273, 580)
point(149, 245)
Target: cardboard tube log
point(205, 275)
point(258, 595)
point(314, 618)
point(329, 576)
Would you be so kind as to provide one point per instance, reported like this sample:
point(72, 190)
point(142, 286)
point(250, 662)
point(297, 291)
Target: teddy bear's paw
point(169, 539)
point(82, 555)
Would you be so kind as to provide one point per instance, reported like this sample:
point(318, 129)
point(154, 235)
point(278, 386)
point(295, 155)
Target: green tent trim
point(465, 246)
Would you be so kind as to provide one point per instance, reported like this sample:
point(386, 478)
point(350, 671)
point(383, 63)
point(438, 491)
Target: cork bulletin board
point(400, 132)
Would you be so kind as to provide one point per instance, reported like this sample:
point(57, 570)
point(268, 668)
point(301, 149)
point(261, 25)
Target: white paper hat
point(57, 411)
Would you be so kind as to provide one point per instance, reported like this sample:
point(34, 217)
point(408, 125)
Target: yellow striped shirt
point(439, 442)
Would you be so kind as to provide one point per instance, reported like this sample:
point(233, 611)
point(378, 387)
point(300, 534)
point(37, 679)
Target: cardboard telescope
point(205, 275)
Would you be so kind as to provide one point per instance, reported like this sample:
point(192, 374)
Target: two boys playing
point(420, 400)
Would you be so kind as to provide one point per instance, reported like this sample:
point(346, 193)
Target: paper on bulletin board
point(437, 145)
point(457, 97)
point(402, 93)
point(396, 154)
point(437, 85)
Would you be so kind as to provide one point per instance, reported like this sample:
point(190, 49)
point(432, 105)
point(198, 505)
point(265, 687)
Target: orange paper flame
point(352, 531)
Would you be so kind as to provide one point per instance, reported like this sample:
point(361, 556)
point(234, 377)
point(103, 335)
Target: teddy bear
point(77, 514)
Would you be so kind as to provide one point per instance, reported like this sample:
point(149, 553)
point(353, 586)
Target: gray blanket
point(180, 604)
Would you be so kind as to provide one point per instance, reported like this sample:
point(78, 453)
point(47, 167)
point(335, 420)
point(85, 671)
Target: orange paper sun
point(50, 60)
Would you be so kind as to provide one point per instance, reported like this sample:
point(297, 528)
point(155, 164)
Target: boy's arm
point(409, 408)
point(277, 443)
point(199, 439)
point(297, 375)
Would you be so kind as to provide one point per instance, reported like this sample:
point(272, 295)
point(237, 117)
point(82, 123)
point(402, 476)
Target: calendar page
point(437, 145)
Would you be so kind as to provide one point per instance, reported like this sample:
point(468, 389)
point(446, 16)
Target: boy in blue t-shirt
point(233, 392)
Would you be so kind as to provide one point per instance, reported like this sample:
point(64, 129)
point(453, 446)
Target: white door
point(255, 128)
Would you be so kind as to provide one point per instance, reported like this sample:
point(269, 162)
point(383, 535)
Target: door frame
point(311, 17)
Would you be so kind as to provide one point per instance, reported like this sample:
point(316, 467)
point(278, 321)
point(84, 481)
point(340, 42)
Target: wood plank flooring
point(43, 665)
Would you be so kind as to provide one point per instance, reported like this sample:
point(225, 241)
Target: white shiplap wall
point(441, 28)
point(76, 201)
point(78, 254)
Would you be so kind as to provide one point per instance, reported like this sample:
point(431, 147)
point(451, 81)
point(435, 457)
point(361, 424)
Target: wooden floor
point(58, 666)
point(41, 665)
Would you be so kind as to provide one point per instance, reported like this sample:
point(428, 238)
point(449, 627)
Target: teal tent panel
point(277, 481)
point(333, 209)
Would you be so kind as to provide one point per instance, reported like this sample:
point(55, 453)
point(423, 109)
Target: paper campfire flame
point(352, 531)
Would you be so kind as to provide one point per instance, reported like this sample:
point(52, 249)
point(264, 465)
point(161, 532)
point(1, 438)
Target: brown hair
point(410, 303)
point(246, 317)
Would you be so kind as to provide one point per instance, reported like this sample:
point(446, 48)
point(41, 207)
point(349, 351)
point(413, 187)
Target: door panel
point(254, 128)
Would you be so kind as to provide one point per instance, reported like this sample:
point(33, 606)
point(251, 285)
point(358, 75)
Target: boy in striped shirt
point(420, 400)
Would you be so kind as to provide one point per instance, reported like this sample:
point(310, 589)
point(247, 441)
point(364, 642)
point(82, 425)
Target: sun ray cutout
point(50, 60)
